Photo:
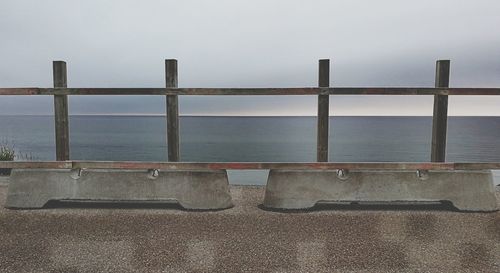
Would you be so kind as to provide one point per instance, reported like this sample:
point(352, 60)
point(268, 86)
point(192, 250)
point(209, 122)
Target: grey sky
point(250, 44)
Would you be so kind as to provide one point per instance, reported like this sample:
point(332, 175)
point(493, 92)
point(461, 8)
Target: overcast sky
point(250, 44)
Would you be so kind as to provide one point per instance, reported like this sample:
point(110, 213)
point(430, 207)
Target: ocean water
point(279, 139)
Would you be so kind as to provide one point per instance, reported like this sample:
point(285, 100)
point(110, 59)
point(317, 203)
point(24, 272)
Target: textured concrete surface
point(4, 180)
point(33, 188)
point(246, 238)
point(296, 189)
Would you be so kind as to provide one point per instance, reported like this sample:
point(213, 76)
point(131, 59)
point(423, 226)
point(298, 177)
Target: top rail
point(248, 165)
point(253, 91)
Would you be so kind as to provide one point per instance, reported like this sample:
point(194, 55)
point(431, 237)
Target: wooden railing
point(441, 91)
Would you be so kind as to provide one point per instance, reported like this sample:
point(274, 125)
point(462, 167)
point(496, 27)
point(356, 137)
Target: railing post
point(61, 111)
point(323, 112)
point(172, 111)
point(440, 114)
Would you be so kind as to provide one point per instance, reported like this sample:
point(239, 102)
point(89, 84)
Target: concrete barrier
point(191, 189)
point(466, 190)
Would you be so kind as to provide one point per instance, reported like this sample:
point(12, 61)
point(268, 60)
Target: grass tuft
point(7, 153)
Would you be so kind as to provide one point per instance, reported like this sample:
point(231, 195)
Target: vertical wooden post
point(440, 114)
point(172, 111)
point(61, 111)
point(323, 112)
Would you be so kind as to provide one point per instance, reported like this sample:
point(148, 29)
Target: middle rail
point(253, 91)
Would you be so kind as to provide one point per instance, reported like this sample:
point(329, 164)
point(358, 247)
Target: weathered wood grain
point(172, 112)
point(440, 113)
point(61, 118)
point(323, 112)
point(294, 91)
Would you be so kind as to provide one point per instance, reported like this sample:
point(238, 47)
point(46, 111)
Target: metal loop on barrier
point(76, 173)
point(154, 173)
point(423, 174)
point(343, 174)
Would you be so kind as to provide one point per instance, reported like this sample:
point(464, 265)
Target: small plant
point(7, 153)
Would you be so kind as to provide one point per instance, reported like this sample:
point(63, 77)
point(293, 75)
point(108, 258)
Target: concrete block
point(466, 190)
point(191, 189)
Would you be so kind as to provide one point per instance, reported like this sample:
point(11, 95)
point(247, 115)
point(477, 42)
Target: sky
point(254, 43)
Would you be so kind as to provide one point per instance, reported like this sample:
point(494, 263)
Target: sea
point(254, 139)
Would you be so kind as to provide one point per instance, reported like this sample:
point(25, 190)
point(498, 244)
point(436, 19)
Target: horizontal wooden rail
point(247, 165)
point(36, 164)
point(253, 91)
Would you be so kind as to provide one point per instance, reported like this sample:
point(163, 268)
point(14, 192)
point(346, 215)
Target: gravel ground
point(246, 238)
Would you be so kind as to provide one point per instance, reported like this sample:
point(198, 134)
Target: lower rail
point(248, 165)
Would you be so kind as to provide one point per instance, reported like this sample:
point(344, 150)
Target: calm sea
point(286, 139)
